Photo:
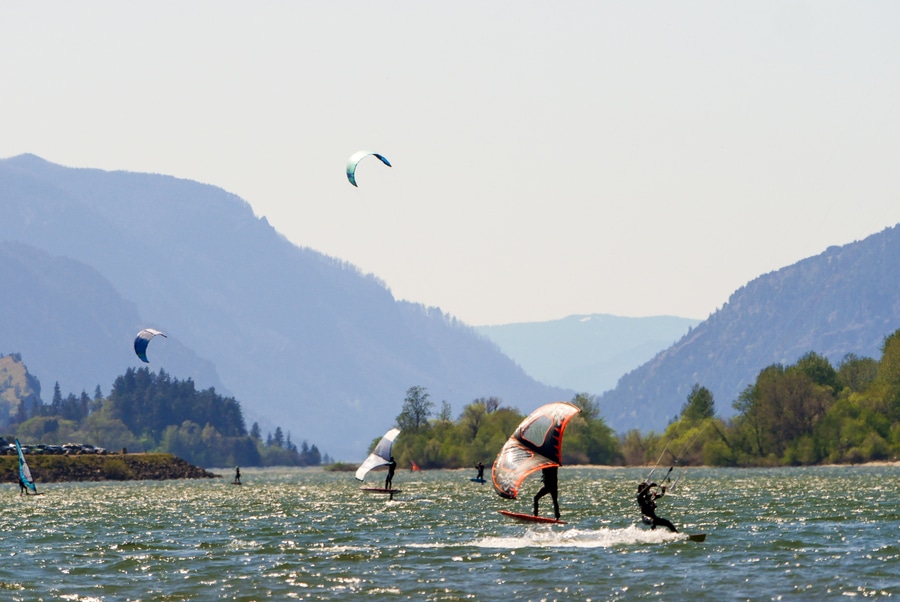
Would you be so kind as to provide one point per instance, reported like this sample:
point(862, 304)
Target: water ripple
point(308, 534)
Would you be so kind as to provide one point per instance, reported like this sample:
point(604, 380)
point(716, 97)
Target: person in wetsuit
point(646, 499)
point(237, 475)
point(480, 468)
point(390, 475)
point(549, 478)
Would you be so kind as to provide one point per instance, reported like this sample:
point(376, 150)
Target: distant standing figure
point(392, 466)
point(480, 468)
point(646, 499)
point(549, 476)
point(237, 475)
point(22, 487)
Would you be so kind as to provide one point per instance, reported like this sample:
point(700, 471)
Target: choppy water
point(306, 534)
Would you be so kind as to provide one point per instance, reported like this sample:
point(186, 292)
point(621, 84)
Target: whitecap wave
point(581, 538)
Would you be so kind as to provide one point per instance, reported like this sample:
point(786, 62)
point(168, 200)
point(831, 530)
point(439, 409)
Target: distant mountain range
point(845, 300)
point(303, 341)
point(588, 353)
point(309, 343)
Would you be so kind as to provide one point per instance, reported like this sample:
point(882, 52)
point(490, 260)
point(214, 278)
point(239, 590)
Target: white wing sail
point(380, 456)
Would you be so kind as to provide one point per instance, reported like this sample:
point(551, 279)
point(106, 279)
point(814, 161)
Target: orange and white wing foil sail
point(536, 444)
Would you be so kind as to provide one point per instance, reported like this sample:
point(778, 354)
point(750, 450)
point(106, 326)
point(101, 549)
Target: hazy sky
point(549, 158)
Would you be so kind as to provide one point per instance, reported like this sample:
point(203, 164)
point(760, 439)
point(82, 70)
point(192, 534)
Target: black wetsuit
point(647, 501)
point(237, 474)
point(480, 468)
point(549, 477)
point(390, 474)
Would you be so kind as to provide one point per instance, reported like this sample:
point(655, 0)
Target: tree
point(819, 369)
point(278, 439)
point(446, 414)
point(699, 404)
point(590, 409)
point(56, 404)
point(856, 373)
point(472, 416)
point(888, 376)
point(255, 433)
point(749, 419)
point(416, 410)
point(783, 405)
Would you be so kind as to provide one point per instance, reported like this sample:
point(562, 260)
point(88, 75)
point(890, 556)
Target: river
point(791, 533)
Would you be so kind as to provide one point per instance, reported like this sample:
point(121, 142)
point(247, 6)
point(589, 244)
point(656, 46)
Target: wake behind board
point(379, 490)
point(530, 518)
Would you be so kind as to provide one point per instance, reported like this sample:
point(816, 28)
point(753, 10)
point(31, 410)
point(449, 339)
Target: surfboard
point(380, 490)
point(697, 537)
point(477, 480)
point(530, 518)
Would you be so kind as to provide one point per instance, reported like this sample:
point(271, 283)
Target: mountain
point(303, 341)
point(70, 325)
point(587, 353)
point(845, 300)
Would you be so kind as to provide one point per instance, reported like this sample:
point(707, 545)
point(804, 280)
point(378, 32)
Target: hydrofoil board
point(530, 518)
point(380, 490)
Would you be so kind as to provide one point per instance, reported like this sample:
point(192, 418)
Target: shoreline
point(106, 467)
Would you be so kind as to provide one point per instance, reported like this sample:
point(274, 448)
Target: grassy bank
point(110, 467)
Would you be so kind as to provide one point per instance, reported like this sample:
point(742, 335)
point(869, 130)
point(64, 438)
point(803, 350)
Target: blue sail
point(24, 472)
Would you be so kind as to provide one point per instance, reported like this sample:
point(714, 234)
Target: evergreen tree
point(699, 405)
point(56, 404)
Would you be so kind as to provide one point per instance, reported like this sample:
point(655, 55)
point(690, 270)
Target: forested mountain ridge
point(844, 300)
point(298, 338)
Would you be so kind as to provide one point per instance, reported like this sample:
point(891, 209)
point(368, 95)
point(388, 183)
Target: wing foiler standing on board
point(536, 444)
point(381, 458)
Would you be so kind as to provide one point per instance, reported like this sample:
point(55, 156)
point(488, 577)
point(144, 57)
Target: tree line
point(809, 412)
point(438, 441)
point(146, 411)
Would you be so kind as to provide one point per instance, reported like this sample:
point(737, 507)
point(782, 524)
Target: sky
point(548, 159)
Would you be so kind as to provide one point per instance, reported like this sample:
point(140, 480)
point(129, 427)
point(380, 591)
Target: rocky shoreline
point(109, 467)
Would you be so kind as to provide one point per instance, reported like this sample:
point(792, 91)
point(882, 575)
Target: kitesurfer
point(549, 478)
point(646, 499)
point(480, 468)
point(392, 465)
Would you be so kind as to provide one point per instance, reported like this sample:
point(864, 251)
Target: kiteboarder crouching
point(646, 499)
point(549, 478)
